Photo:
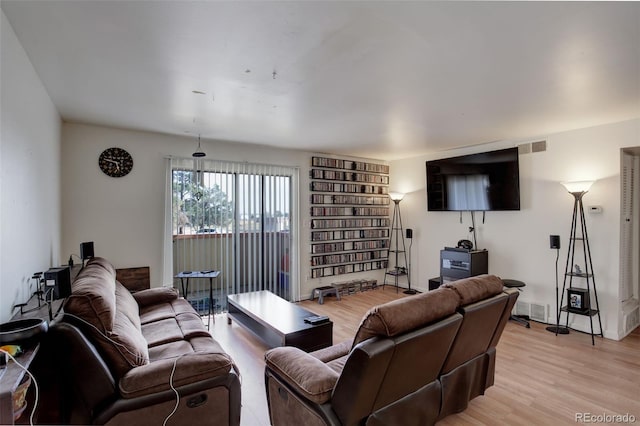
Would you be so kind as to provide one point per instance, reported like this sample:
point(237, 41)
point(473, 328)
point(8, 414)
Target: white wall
point(518, 242)
point(124, 217)
point(29, 175)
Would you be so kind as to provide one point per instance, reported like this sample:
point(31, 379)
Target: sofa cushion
point(408, 313)
point(191, 325)
point(126, 347)
point(195, 360)
point(126, 304)
point(155, 296)
point(164, 310)
point(102, 307)
point(102, 263)
point(93, 297)
point(179, 326)
point(161, 332)
point(474, 289)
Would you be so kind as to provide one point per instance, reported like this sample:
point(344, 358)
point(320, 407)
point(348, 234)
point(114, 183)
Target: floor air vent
point(535, 311)
point(522, 308)
point(632, 320)
point(538, 312)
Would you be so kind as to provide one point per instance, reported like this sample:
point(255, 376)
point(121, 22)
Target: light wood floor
point(541, 378)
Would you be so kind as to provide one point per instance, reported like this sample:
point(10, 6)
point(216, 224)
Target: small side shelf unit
point(349, 216)
point(579, 287)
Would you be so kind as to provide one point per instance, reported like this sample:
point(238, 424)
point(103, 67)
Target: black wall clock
point(115, 162)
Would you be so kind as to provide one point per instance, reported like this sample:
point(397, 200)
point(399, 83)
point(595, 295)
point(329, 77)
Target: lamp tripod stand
point(579, 298)
point(395, 240)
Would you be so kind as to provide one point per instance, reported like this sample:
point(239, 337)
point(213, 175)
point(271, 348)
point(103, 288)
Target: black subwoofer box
point(60, 280)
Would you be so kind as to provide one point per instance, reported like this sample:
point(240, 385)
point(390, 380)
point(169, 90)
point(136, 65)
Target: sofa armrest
point(75, 359)
point(331, 353)
point(153, 296)
point(157, 376)
point(306, 374)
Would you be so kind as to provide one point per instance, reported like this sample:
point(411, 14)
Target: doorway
point(629, 317)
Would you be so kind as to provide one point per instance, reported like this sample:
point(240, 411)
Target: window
point(236, 218)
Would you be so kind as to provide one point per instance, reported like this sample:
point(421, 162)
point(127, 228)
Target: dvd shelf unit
point(349, 216)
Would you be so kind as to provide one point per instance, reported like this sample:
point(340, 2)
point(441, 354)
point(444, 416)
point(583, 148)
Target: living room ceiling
point(382, 80)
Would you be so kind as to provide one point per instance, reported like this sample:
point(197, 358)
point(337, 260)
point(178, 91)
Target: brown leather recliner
point(122, 357)
point(413, 361)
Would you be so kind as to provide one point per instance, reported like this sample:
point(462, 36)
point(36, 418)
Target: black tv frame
point(502, 168)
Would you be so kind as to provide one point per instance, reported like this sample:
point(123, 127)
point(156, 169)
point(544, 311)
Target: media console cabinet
point(456, 264)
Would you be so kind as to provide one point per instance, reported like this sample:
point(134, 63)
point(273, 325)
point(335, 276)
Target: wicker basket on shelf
point(20, 397)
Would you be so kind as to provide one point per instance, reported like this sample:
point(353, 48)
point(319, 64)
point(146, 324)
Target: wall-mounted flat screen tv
point(476, 182)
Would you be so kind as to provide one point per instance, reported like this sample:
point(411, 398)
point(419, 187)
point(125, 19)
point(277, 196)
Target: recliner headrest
point(408, 313)
point(474, 289)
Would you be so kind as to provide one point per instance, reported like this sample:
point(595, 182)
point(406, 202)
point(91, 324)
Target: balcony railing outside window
point(236, 218)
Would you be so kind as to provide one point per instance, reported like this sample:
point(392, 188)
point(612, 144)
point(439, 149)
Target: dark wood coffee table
point(278, 322)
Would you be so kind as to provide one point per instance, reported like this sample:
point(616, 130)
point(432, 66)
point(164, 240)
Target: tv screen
point(476, 182)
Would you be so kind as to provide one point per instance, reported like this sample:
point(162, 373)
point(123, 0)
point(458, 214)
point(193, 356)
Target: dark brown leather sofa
point(121, 355)
point(413, 361)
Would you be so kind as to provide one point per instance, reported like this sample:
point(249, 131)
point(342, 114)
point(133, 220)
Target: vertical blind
point(238, 218)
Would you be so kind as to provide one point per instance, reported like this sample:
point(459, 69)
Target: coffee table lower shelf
point(278, 322)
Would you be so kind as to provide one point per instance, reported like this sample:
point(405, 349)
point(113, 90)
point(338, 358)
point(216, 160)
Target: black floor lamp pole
point(409, 290)
point(557, 328)
point(400, 231)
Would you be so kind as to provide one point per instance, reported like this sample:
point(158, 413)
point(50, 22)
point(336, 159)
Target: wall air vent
point(525, 148)
point(539, 146)
point(529, 147)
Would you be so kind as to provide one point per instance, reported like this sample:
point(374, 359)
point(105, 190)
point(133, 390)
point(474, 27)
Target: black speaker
point(60, 280)
point(409, 233)
point(554, 241)
point(86, 250)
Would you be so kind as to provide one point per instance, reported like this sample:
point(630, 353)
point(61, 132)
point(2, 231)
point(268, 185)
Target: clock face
point(115, 162)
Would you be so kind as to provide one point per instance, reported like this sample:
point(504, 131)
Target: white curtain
point(167, 252)
point(238, 218)
point(468, 192)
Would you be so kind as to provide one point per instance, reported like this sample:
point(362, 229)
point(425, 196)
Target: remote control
point(317, 319)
